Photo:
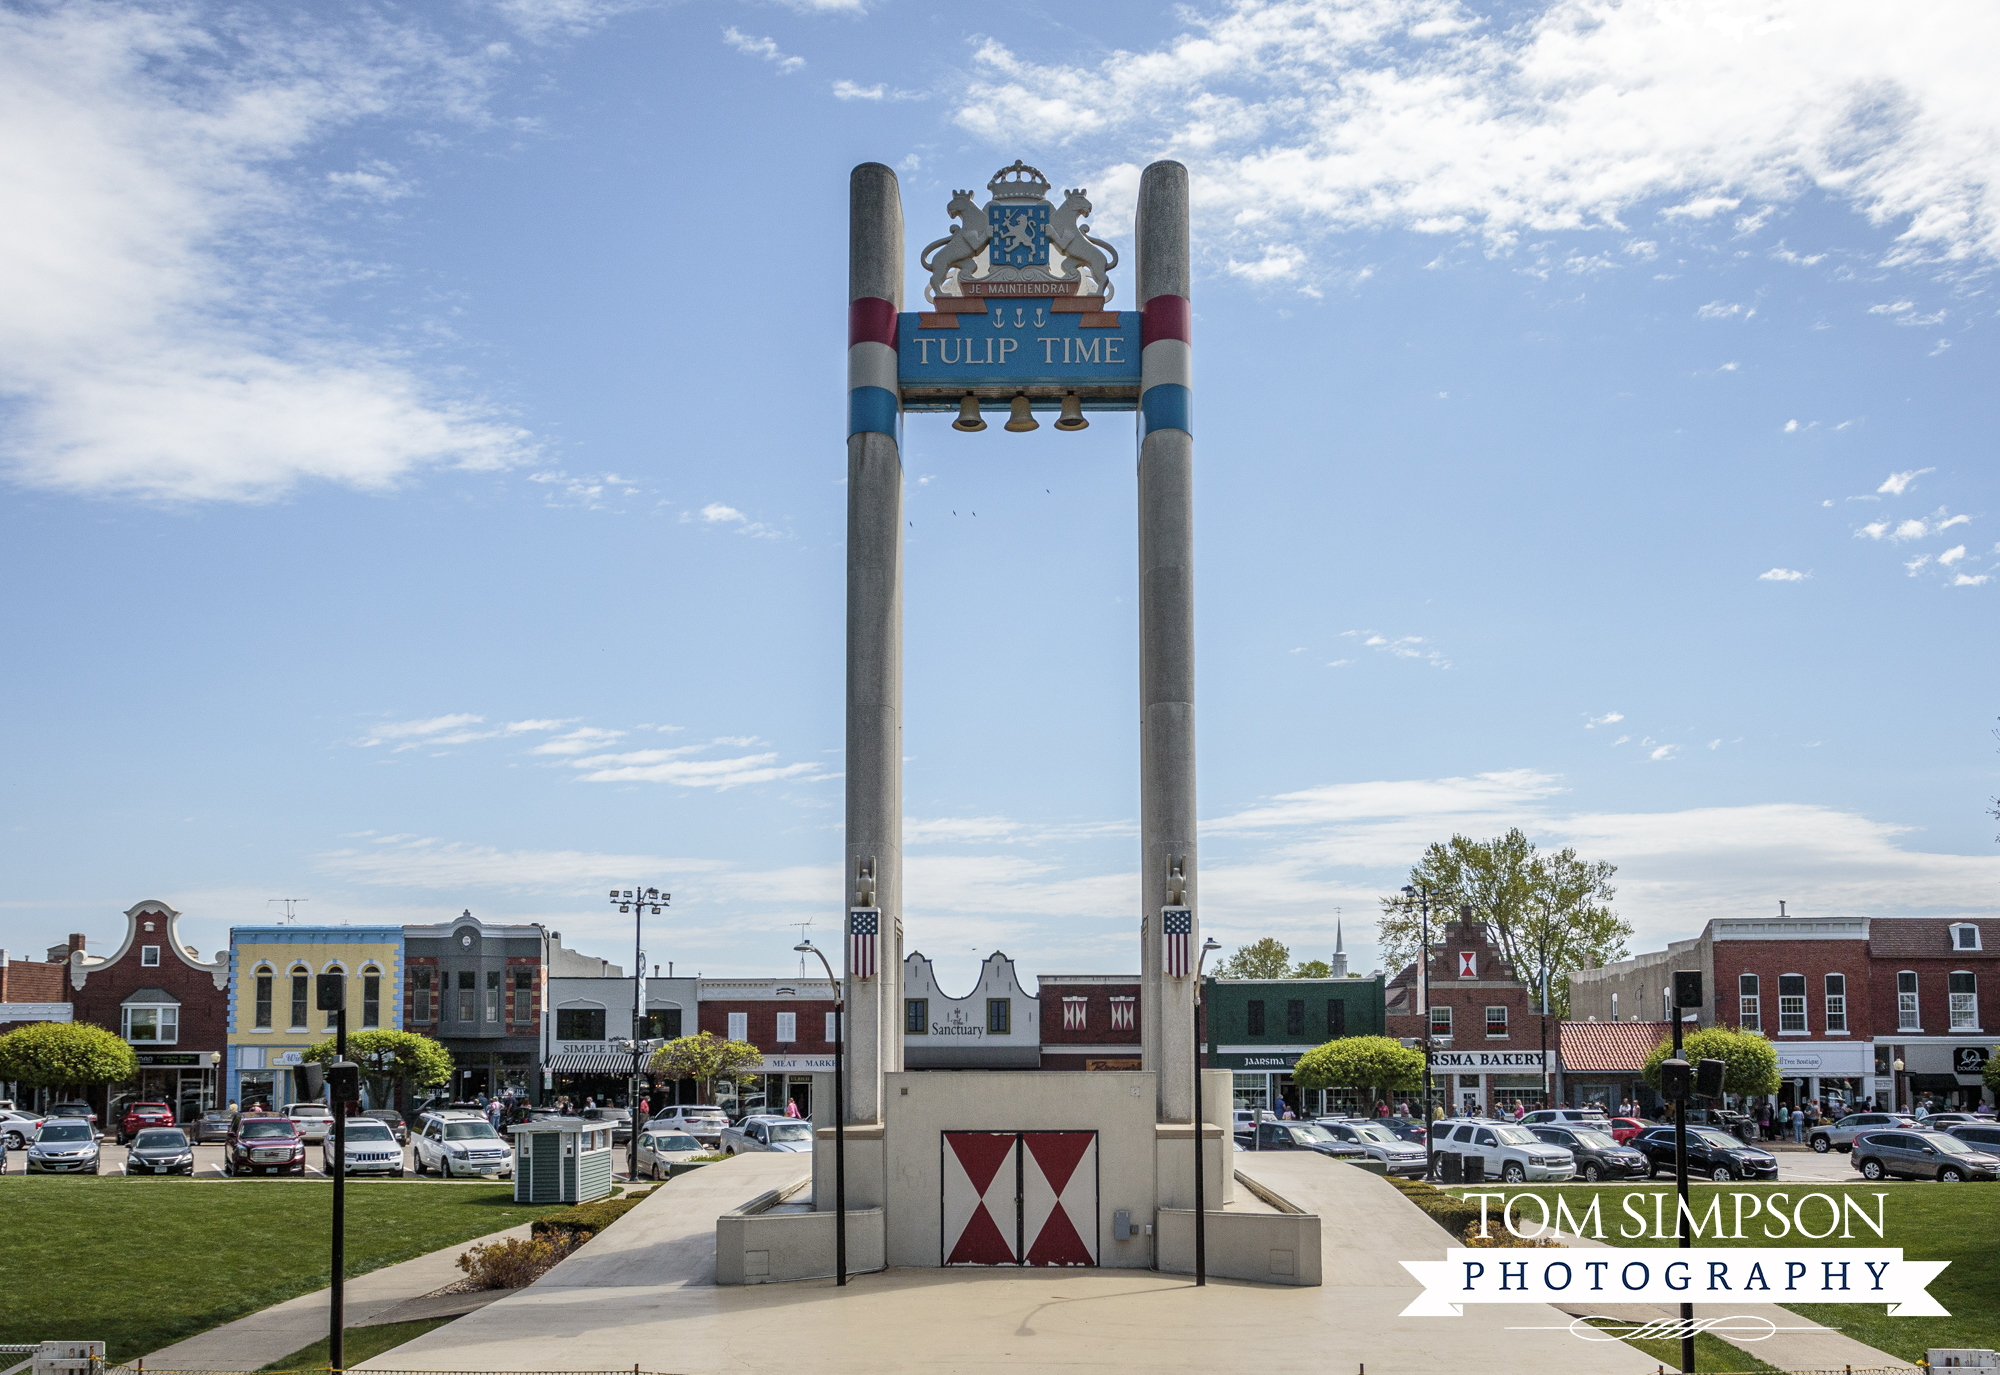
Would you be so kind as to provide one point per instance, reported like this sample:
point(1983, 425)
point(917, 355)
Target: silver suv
point(1840, 1136)
point(1397, 1155)
point(1922, 1155)
point(1592, 1118)
point(1506, 1150)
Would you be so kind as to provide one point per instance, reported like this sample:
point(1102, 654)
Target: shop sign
point(797, 1064)
point(1486, 1059)
point(1969, 1059)
point(289, 1057)
point(1795, 1063)
point(1269, 1061)
point(164, 1058)
point(588, 1048)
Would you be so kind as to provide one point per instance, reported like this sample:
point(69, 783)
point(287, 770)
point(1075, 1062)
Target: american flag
point(864, 926)
point(1177, 935)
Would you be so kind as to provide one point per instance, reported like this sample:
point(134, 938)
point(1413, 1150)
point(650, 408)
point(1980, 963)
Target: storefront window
point(579, 1024)
point(1251, 1091)
point(152, 1025)
point(1906, 1001)
point(1836, 1003)
point(1749, 1006)
point(1964, 1001)
point(1791, 1003)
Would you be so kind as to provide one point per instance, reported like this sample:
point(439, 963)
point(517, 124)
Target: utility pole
point(344, 1079)
point(1676, 1079)
point(636, 901)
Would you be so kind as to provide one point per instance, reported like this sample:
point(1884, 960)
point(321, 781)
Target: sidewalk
point(395, 1293)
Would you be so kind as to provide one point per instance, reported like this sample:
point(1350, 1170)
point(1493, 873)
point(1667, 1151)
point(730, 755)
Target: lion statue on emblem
point(958, 250)
point(1072, 238)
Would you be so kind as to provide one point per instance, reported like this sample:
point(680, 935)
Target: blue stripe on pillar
point(1166, 406)
point(872, 410)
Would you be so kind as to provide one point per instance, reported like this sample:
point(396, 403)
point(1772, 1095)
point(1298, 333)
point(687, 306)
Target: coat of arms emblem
point(1021, 244)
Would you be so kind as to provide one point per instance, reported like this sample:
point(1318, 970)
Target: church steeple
point(1339, 950)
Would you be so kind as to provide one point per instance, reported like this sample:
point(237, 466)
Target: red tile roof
point(1608, 1047)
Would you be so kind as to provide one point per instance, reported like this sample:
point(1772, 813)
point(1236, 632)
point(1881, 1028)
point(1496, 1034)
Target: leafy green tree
point(1753, 1061)
point(1266, 959)
point(1548, 913)
point(390, 1057)
point(705, 1058)
point(66, 1055)
point(1313, 969)
point(1991, 1075)
point(1377, 1063)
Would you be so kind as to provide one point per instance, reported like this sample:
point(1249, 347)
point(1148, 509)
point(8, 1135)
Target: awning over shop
point(589, 1064)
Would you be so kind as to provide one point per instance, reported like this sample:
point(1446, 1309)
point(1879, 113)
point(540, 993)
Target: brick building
point(1930, 983)
point(789, 1020)
point(480, 989)
point(1486, 1032)
point(172, 1006)
point(1089, 1021)
point(1258, 1028)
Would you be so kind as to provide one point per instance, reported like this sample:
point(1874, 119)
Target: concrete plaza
point(644, 1294)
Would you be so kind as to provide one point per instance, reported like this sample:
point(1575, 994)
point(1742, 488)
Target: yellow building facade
point(273, 1019)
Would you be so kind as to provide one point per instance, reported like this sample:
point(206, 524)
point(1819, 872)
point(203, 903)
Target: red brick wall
point(534, 1021)
point(33, 981)
point(763, 1014)
point(1097, 1015)
point(411, 964)
point(1493, 985)
point(204, 1017)
point(1814, 959)
point(1933, 991)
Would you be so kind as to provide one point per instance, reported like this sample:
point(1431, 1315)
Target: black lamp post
point(1422, 905)
point(839, 1117)
point(1200, 1199)
point(636, 901)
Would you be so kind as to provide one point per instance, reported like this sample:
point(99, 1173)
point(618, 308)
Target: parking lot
point(208, 1164)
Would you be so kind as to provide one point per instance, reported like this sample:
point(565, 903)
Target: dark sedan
point(1712, 1154)
point(1598, 1156)
point(618, 1119)
point(160, 1150)
point(1299, 1136)
point(392, 1119)
point(213, 1126)
point(1405, 1129)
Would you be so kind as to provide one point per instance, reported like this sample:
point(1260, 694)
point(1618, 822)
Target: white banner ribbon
point(1834, 1274)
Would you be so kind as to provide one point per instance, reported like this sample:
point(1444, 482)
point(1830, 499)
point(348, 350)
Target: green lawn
point(358, 1344)
point(1959, 1223)
point(1712, 1355)
point(141, 1263)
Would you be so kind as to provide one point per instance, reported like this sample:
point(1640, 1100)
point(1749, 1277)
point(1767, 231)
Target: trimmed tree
point(1376, 1063)
point(1752, 1060)
point(705, 1058)
point(1992, 1072)
point(65, 1055)
point(388, 1057)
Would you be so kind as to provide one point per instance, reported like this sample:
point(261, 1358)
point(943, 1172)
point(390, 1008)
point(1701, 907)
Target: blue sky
point(423, 446)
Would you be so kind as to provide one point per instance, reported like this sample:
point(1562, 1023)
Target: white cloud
point(1314, 117)
point(582, 740)
point(1873, 530)
point(848, 90)
point(1971, 580)
point(415, 862)
point(678, 766)
point(154, 334)
point(764, 48)
point(543, 19)
point(826, 6)
point(1783, 575)
point(715, 513)
point(1607, 719)
point(435, 730)
point(1895, 309)
point(1724, 310)
point(1791, 425)
point(1402, 647)
point(1951, 556)
point(1898, 483)
point(1665, 752)
point(1916, 565)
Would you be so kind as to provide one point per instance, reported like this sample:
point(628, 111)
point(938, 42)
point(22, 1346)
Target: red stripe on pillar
point(1165, 317)
point(871, 320)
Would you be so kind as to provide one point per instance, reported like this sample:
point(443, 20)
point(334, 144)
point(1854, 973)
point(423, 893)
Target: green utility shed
point(561, 1160)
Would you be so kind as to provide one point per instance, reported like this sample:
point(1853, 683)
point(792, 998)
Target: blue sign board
point(1021, 345)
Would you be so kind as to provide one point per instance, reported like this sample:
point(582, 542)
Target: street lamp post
point(1200, 1199)
point(839, 1117)
point(636, 901)
point(1422, 904)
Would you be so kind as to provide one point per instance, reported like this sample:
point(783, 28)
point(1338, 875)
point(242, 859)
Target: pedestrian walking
point(791, 1107)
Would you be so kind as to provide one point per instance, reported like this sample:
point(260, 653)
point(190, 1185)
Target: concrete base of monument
point(644, 1293)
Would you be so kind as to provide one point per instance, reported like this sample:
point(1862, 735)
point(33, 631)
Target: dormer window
point(1965, 936)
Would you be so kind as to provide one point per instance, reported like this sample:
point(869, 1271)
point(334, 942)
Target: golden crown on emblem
point(1019, 183)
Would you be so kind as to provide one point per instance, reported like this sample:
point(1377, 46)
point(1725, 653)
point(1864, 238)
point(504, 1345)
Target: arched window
point(301, 996)
point(1749, 1006)
point(371, 997)
point(1791, 1004)
point(261, 1018)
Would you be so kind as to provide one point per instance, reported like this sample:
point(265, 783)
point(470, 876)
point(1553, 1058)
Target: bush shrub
point(1460, 1217)
point(589, 1217)
point(517, 1261)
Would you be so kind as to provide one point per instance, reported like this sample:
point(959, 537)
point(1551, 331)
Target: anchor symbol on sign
point(1039, 321)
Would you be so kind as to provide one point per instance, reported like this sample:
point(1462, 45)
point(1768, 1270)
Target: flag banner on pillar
point(1177, 934)
point(864, 930)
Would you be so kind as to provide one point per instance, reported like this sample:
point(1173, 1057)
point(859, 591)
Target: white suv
point(312, 1121)
point(1591, 1119)
point(703, 1121)
point(461, 1144)
point(1507, 1151)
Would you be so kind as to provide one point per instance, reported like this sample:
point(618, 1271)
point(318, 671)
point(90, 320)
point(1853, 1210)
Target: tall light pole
point(806, 947)
point(1422, 905)
point(636, 901)
point(1200, 1200)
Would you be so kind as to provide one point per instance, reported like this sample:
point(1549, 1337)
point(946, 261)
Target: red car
point(263, 1143)
point(141, 1115)
point(1623, 1129)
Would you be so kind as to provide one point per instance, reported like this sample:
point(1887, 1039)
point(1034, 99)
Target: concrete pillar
point(1166, 626)
point(874, 625)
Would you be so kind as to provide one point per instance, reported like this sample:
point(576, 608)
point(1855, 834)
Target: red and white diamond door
point(1059, 1197)
point(982, 1180)
point(1019, 1198)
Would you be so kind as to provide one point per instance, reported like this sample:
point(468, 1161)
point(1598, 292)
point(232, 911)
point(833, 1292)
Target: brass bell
point(1072, 414)
point(968, 415)
point(1021, 421)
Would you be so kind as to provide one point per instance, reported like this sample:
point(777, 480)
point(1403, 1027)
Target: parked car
point(372, 1148)
point(1840, 1136)
point(263, 1143)
point(398, 1128)
point(314, 1120)
point(160, 1150)
point(619, 1120)
point(703, 1121)
point(767, 1133)
point(1373, 1135)
point(212, 1126)
point(1623, 1129)
point(1597, 1153)
point(1982, 1135)
point(65, 1145)
point(83, 1110)
point(1712, 1154)
point(142, 1115)
point(1922, 1155)
point(1592, 1117)
point(1405, 1128)
point(1506, 1150)
point(1300, 1136)
point(660, 1148)
point(461, 1144)
point(18, 1128)
point(1945, 1121)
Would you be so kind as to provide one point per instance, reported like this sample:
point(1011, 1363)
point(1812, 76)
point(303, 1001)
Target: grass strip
point(358, 1344)
point(139, 1264)
point(1712, 1355)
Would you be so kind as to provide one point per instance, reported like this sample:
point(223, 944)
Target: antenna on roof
point(803, 926)
point(291, 906)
